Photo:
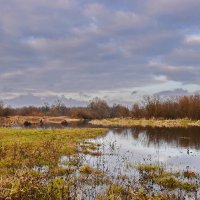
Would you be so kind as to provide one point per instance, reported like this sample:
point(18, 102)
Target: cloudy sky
point(79, 49)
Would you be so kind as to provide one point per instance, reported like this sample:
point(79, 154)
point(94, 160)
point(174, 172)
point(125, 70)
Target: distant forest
point(148, 107)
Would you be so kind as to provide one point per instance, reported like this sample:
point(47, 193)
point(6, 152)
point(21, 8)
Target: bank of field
point(31, 147)
point(129, 122)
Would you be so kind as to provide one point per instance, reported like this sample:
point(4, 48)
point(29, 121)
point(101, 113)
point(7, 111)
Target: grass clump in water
point(90, 148)
point(156, 174)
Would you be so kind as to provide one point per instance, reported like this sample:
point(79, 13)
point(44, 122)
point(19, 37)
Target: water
point(176, 148)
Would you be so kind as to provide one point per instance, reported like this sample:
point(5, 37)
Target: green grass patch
point(26, 148)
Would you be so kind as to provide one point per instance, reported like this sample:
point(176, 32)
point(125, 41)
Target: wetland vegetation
point(77, 164)
point(30, 166)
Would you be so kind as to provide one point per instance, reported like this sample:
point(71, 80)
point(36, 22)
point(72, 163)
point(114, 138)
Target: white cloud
point(193, 39)
point(161, 78)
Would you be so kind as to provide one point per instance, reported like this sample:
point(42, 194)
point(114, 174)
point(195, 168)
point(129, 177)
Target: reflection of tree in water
point(177, 137)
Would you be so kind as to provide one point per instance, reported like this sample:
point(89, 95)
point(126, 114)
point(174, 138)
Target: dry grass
point(129, 122)
point(8, 121)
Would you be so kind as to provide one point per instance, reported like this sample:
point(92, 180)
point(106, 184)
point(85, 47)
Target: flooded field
point(122, 163)
point(124, 150)
point(177, 148)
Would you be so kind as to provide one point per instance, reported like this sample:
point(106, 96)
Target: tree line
point(148, 107)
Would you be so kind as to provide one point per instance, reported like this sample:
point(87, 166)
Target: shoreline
point(128, 122)
point(8, 121)
point(116, 122)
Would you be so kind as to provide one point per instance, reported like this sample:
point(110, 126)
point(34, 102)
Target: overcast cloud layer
point(115, 49)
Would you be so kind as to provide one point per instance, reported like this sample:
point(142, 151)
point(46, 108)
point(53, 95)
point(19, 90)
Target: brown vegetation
point(149, 107)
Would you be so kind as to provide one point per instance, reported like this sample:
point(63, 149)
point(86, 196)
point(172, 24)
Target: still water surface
point(175, 148)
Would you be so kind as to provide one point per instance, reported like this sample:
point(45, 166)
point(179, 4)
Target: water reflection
point(176, 148)
point(50, 125)
point(174, 137)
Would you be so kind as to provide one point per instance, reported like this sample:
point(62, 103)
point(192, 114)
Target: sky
point(117, 50)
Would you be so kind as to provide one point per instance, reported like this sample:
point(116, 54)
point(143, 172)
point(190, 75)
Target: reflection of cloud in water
point(174, 137)
point(169, 146)
point(182, 161)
